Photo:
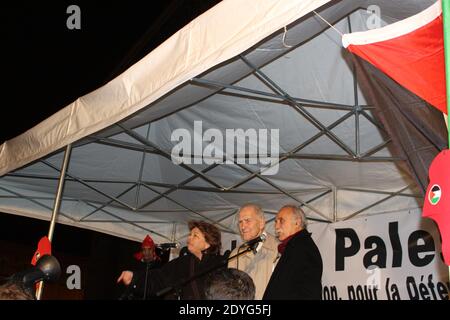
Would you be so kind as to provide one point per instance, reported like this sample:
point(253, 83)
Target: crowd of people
point(288, 266)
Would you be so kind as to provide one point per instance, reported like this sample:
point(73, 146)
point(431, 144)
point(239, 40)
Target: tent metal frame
point(277, 95)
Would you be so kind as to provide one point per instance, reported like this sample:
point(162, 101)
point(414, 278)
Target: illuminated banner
point(383, 257)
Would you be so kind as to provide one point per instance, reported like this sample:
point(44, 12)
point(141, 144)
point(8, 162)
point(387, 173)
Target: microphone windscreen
point(47, 269)
point(29, 277)
point(50, 267)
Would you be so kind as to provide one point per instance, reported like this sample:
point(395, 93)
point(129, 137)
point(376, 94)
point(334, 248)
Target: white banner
point(384, 257)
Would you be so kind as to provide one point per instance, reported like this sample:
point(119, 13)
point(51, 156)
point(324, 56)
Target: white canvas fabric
point(242, 65)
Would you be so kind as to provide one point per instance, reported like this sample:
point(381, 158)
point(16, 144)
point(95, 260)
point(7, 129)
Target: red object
point(437, 199)
point(138, 256)
point(410, 51)
point(282, 245)
point(44, 247)
point(148, 242)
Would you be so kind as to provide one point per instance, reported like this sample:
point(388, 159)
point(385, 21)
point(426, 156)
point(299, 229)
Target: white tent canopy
point(243, 64)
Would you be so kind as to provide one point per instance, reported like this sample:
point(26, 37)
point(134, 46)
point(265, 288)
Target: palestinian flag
point(434, 195)
point(437, 202)
point(410, 51)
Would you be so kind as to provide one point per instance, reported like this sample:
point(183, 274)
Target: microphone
point(252, 242)
point(169, 245)
point(50, 267)
point(47, 269)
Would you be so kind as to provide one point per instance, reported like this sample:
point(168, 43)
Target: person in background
point(298, 271)
point(137, 279)
point(229, 284)
point(15, 290)
point(183, 278)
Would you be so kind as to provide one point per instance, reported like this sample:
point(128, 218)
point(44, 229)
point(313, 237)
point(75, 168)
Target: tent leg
point(56, 206)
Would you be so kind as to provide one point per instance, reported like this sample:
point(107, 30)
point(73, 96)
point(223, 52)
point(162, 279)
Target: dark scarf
point(283, 244)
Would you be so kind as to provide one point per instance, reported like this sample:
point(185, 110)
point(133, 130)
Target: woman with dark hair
point(211, 235)
point(204, 244)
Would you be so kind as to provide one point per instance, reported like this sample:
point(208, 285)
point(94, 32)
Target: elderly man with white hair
point(298, 272)
point(258, 263)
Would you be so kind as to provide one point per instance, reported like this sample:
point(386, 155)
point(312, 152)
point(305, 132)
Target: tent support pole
point(56, 206)
point(355, 98)
point(446, 25)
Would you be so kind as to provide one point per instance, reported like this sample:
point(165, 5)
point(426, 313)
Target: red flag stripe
point(394, 30)
point(410, 51)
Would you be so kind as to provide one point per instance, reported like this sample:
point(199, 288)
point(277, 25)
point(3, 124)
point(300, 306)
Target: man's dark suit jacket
point(298, 274)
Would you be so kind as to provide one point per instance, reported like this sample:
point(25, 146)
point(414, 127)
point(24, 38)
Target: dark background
point(44, 67)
